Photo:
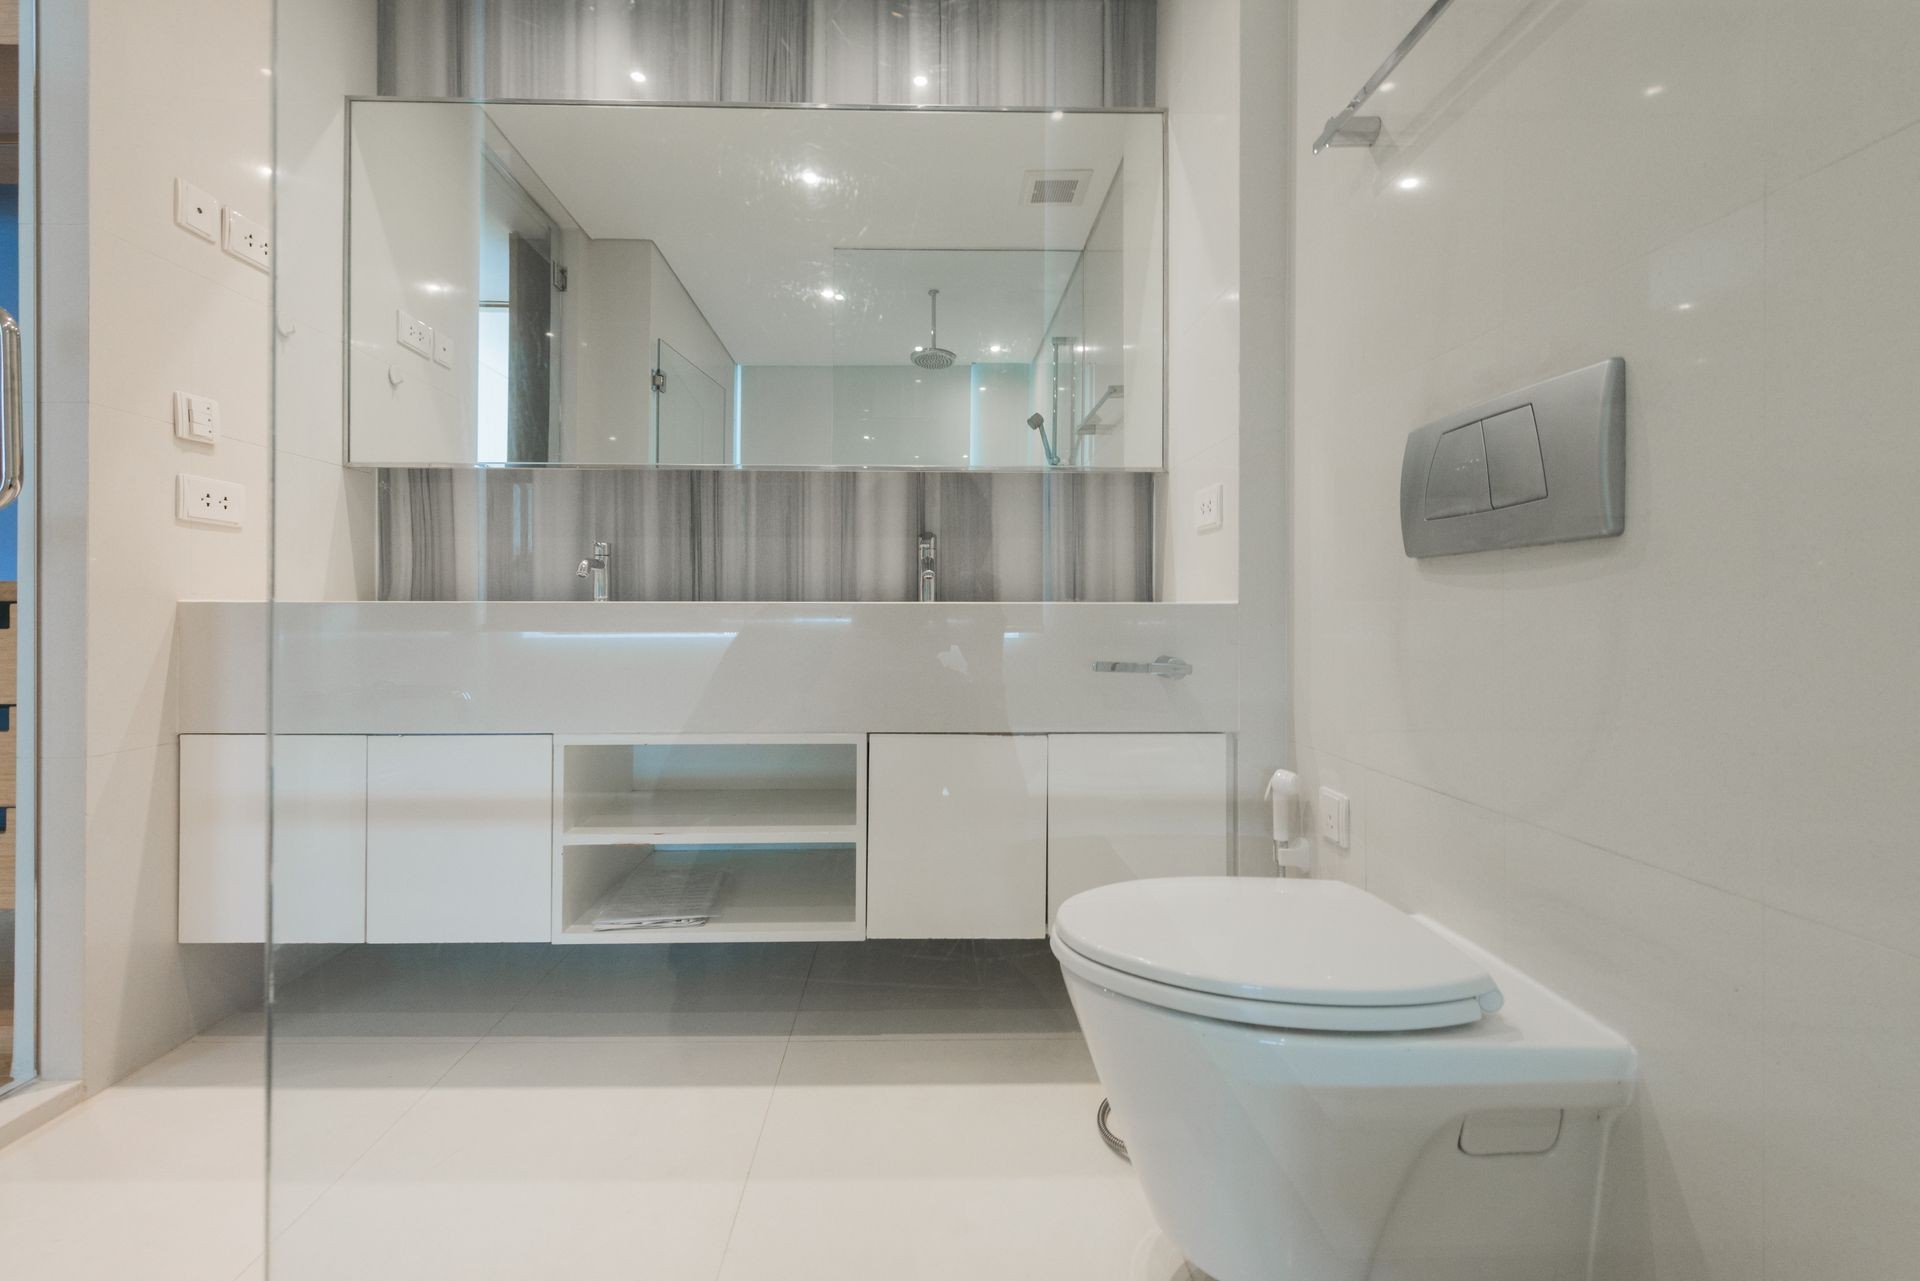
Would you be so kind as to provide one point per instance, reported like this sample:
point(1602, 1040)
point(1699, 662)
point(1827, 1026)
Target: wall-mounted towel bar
point(1350, 130)
point(1173, 669)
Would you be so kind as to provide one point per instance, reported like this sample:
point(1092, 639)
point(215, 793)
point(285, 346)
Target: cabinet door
point(1125, 806)
point(956, 836)
point(459, 838)
point(320, 852)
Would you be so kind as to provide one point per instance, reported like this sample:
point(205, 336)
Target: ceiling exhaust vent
point(1055, 186)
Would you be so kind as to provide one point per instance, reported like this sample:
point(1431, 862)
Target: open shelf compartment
point(711, 793)
point(786, 894)
point(783, 818)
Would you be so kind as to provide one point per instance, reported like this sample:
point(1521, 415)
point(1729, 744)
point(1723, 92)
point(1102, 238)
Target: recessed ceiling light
point(1685, 306)
point(638, 76)
point(1409, 183)
point(919, 82)
point(1059, 115)
point(997, 348)
point(1653, 91)
point(832, 295)
point(810, 177)
point(1386, 87)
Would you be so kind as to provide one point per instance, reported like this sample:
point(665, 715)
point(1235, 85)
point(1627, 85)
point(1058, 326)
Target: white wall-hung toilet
point(1316, 1086)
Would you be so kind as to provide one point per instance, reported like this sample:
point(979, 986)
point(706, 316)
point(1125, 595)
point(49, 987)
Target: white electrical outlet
point(1336, 817)
point(196, 418)
point(211, 502)
point(247, 240)
point(415, 334)
point(196, 211)
point(442, 350)
point(1207, 508)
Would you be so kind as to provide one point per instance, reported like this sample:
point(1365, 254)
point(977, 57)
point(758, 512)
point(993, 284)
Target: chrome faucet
point(927, 580)
point(597, 565)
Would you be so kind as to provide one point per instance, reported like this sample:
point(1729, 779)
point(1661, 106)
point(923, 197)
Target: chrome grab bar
point(1172, 668)
point(12, 456)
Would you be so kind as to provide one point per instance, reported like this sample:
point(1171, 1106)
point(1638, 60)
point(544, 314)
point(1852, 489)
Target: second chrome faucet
point(928, 583)
point(596, 565)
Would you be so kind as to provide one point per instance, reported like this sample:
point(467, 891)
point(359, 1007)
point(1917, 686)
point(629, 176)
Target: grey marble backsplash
point(517, 534)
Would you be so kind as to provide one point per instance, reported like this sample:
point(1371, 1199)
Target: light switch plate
point(247, 240)
point(415, 334)
point(196, 211)
point(1208, 513)
point(442, 350)
point(1336, 817)
point(206, 501)
point(196, 418)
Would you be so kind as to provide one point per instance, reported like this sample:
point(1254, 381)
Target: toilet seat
point(1299, 954)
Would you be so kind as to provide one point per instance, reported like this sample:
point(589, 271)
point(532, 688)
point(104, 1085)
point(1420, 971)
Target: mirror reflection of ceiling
point(769, 195)
point(994, 304)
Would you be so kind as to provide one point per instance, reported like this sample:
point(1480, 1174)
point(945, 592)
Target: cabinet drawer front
point(319, 838)
point(459, 838)
point(956, 836)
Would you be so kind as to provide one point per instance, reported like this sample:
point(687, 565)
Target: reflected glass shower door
point(689, 413)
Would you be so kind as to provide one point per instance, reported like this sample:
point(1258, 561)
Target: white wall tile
point(1674, 966)
point(1842, 1057)
point(1860, 52)
point(1843, 271)
point(1711, 719)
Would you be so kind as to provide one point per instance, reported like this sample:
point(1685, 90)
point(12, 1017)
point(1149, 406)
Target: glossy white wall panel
point(223, 838)
point(1625, 718)
point(1125, 806)
point(459, 839)
point(1200, 86)
point(1842, 1055)
point(956, 836)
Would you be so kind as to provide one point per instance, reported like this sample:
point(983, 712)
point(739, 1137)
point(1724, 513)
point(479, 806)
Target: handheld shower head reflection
point(1038, 422)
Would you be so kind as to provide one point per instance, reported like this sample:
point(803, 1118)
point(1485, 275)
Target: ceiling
point(757, 208)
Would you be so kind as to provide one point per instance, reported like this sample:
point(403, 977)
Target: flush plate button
point(1457, 478)
point(1514, 469)
point(1542, 464)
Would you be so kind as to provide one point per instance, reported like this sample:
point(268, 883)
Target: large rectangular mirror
point(723, 286)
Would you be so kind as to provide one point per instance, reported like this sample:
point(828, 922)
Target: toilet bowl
point(1316, 1086)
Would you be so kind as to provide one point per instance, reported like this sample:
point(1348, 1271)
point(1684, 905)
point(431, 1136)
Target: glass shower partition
point(574, 919)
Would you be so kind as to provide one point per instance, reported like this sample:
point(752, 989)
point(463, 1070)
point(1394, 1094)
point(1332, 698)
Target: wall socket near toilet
point(1336, 817)
point(1207, 508)
point(206, 501)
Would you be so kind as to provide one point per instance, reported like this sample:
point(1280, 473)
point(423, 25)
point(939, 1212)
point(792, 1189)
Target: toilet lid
point(1295, 942)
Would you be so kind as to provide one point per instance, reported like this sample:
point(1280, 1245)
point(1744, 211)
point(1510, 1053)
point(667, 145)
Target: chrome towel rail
point(1166, 665)
point(1350, 130)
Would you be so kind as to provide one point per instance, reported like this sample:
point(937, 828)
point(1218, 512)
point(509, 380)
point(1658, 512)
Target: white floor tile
point(906, 1159)
point(576, 1158)
point(687, 989)
point(921, 988)
point(427, 990)
point(159, 1177)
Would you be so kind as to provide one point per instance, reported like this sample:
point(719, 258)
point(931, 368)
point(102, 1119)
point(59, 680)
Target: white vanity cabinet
point(497, 838)
point(377, 839)
point(459, 838)
point(320, 826)
point(1121, 807)
point(956, 836)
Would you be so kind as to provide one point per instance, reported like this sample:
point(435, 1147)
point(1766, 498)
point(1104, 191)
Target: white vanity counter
point(701, 668)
